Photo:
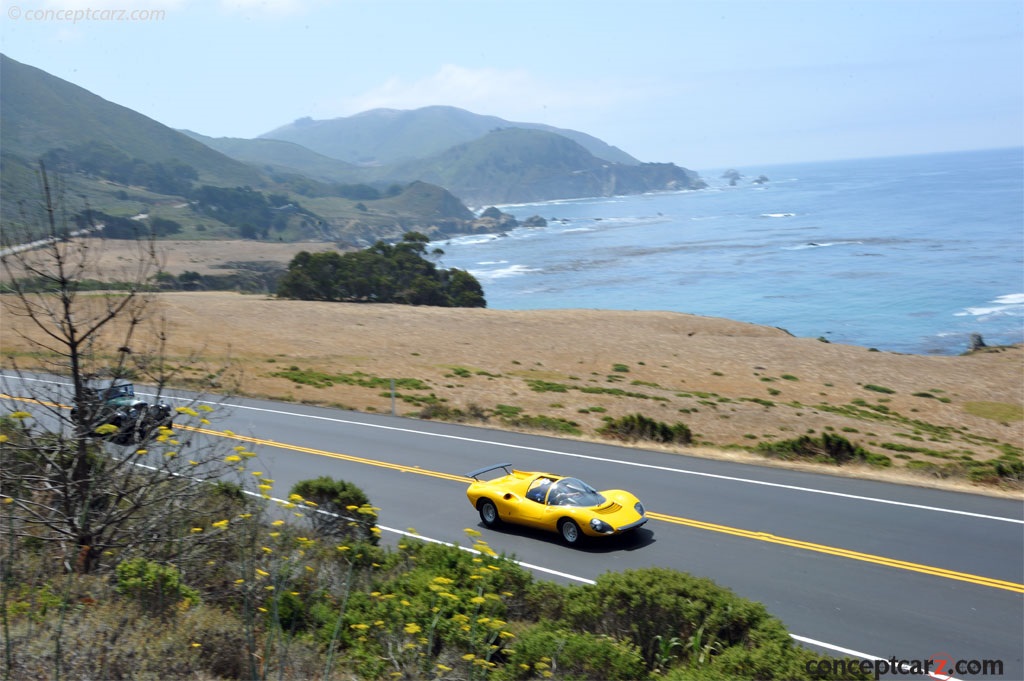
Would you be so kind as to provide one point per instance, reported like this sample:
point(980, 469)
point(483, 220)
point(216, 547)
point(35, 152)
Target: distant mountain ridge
point(280, 156)
point(388, 136)
point(132, 172)
point(481, 159)
point(513, 165)
point(123, 164)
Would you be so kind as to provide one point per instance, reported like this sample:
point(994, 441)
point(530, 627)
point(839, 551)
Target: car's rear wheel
point(489, 513)
point(570, 531)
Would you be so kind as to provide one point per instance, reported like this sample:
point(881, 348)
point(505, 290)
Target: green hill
point(133, 172)
point(41, 112)
point(278, 156)
point(388, 136)
point(514, 165)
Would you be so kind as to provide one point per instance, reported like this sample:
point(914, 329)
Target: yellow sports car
point(556, 503)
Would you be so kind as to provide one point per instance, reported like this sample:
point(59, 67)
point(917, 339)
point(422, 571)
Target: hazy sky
point(701, 83)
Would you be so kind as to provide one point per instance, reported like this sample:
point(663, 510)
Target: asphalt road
point(850, 566)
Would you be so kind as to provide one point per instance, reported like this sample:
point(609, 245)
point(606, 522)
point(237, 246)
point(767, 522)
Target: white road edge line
point(667, 469)
point(539, 568)
point(864, 656)
point(585, 580)
point(650, 466)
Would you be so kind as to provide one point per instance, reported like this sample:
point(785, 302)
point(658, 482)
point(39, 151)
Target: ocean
point(909, 254)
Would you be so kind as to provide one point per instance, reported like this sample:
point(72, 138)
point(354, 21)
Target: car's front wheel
point(570, 531)
point(489, 513)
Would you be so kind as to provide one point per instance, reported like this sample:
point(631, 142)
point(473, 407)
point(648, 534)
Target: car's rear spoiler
point(487, 469)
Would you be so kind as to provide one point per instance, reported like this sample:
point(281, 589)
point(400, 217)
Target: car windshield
point(573, 492)
point(123, 390)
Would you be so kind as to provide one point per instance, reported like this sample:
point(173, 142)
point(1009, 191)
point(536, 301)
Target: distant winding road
point(852, 567)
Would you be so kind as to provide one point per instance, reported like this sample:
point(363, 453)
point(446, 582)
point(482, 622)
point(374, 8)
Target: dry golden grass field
point(735, 385)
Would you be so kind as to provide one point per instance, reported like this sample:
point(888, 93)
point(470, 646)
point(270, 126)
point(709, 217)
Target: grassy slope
point(734, 384)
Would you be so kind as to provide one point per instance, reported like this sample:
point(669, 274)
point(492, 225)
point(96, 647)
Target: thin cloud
point(513, 93)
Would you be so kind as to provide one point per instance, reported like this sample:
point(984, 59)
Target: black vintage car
point(136, 420)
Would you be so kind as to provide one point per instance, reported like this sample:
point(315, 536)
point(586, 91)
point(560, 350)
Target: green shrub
point(879, 389)
point(828, 448)
point(573, 655)
point(640, 427)
point(540, 386)
point(717, 631)
point(156, 587)
point(552, 423)
point(342, 509)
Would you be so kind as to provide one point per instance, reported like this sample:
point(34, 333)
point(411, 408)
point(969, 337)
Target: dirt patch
point(734, 384)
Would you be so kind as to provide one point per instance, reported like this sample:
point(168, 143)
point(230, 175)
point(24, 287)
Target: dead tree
point(69, 474)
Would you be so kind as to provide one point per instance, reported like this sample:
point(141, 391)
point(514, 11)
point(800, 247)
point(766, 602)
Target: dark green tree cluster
point(115, 227)
point(102, 160)
point(251, 211)
point(383, 273)
point(305, 186)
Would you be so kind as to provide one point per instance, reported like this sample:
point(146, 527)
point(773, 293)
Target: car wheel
point(570, 531)
point(489, 513)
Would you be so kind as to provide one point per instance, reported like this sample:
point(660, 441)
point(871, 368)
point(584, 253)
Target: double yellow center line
point(688, 522)
point(842, 553)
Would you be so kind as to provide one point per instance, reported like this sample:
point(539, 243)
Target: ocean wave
point(825, 244)
point(1010, 305)
point(471, 239)
point(502, 272)
point(1010, 299)
point(778, 215)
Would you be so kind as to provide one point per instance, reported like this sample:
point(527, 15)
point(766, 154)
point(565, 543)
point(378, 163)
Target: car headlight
point(600, 526)
point(639, 508)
